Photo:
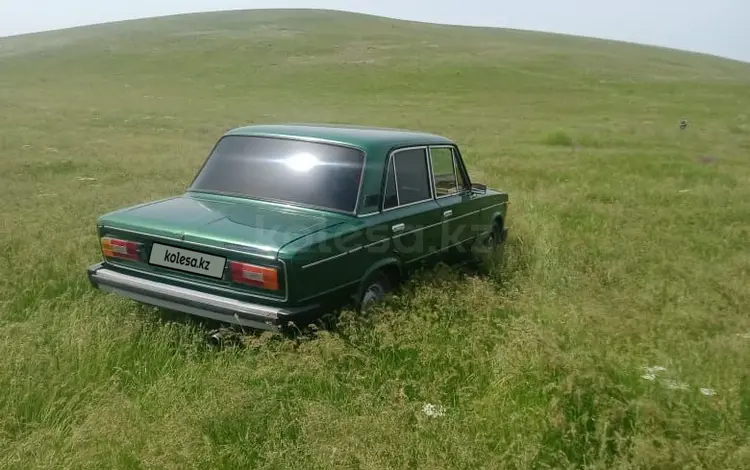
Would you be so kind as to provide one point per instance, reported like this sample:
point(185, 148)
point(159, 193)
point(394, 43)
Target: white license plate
point(187, 260)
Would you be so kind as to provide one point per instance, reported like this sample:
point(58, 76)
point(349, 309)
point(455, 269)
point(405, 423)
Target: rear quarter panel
point(332, 260)
point(340, 258)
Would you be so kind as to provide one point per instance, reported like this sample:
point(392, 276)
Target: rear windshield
point(293, 171)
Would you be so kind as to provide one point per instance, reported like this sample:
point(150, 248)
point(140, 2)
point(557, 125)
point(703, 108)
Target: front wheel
point(375, 291)
point(485, 250)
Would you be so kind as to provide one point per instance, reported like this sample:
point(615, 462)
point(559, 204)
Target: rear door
point(459, 206)
point(413, 217)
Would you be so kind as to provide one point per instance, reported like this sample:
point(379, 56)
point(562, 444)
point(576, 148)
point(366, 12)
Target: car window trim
point(280, 202)
point(392, 166)
point(391, 158)
point(462, 168)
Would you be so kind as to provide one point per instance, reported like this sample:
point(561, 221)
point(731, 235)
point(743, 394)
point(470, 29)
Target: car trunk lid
point(224, 227)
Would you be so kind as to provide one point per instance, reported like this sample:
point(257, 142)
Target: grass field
point(629, 248)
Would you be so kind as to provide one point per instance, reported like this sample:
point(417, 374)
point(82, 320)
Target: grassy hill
point(629, 248)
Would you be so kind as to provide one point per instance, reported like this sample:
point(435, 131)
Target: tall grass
point(627, 250)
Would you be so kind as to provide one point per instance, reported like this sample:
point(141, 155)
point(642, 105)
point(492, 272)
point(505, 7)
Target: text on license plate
point(187, 260)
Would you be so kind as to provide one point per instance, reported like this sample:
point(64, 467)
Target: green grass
point(559, 138)
point(627, 249)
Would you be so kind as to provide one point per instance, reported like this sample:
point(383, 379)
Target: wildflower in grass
point(675, 385)
point(433, 411)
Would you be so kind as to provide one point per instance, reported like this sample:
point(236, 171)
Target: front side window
point(444, 171)
point(411, 176)
point(286, 170)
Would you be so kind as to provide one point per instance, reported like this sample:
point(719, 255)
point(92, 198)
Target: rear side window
point(412, 176)
point(391, 196)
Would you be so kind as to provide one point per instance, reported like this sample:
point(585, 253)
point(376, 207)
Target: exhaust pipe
point(216, 338)
point(223, 337)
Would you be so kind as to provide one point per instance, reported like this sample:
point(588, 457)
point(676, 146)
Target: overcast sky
point(720, 27)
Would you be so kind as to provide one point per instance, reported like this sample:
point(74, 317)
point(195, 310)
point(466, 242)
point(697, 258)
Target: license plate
point(187, 260)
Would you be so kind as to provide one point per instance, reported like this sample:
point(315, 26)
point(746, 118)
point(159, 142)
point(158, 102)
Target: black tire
point(377, 287)
point(486, 249)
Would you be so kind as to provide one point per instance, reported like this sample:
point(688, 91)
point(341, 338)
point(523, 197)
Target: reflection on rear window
point(293, 171)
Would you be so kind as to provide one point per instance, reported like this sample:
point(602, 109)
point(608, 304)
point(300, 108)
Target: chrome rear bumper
point(192, 302)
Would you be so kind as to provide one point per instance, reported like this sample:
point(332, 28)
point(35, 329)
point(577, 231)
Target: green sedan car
point(284, 222)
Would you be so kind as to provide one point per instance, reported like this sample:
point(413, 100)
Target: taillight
point(250, 274)
point(123, 249)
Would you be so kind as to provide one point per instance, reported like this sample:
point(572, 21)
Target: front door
point(459, 207)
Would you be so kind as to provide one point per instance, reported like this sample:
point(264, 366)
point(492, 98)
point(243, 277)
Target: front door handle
point(448, 213)
point(398, 227)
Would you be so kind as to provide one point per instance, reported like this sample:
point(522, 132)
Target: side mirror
point(482, 188)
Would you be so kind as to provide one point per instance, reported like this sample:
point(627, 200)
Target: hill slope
point(629, 248)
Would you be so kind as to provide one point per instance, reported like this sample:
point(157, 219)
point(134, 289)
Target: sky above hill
point(717, 27)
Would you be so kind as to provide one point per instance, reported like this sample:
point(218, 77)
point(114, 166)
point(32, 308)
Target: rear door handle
point(398, 227)
point(448, 213)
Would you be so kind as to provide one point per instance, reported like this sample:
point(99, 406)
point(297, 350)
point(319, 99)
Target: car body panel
point(342, 255)
point(461, 218)
point(322, 256)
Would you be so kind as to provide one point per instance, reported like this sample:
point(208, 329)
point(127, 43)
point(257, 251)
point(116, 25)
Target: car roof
point(376, 142)
point(369, 139)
